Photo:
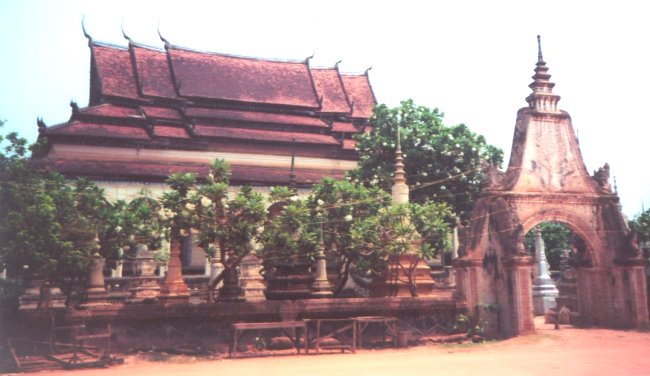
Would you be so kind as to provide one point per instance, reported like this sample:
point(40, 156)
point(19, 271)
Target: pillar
point(145, 284)
point(320, 287)
point(544, 290)
point(519, 270)
point(119, 267)
point(454, 243)
point(95, 292)
point(173, 287)
point(251, 279)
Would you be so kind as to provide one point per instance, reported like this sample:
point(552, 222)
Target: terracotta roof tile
point(338, 126)
point(349, 144)
point(153, 72)
point(222, 77)
point(77, 128)
point(255, 117)
point(114, 71)
point(161, 113)
point(160, 171)
point(329, 87)
point(170, 131)
point(111, 111)
point(361, 95)
point(263, 135)
point(112, 169)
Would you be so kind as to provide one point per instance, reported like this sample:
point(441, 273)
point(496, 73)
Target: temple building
point(153, 112)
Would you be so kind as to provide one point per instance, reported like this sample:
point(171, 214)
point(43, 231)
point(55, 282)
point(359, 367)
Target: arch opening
point(555, 249)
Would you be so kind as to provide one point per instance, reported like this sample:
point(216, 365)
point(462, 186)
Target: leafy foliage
point(361, 231)
point(124, 225)
point(432, 221)
point(227, 227)
point(641, 225)
point(442, 163)
point(50, 226)
point(289, 236)
point(177, 204)
point(346, 212)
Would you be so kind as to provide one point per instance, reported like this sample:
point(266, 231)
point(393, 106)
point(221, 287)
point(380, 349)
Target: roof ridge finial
point(41, 124)
point(83, 29)
point(336, 65)
point(124, 33)
point(310, 57)
point(367, 70)
point(167, 44)
point(540, 57)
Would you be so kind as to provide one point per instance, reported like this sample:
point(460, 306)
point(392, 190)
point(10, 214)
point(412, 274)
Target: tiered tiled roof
point(329, 84)
point(361, 95)
point(176, 98)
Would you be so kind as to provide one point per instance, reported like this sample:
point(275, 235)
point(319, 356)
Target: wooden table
point(342, 326)
point(388, 323)
point(287, 327)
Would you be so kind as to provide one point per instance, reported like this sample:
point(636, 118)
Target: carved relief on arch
point(619, 237)
point(493, 219)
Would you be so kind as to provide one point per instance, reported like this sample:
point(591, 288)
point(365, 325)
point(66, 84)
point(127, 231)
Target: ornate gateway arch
point(547, 180)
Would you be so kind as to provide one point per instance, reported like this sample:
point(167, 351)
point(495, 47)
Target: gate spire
point(400, 190)
point(542, 98)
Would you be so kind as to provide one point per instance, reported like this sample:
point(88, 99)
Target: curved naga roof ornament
point(83, 29)
point(167, 44)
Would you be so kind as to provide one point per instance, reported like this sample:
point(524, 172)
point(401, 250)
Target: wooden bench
point(81, 355)
point(387, 322)
point(287, 327)
point(341, 326)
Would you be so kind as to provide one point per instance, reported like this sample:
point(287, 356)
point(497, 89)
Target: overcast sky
point(471, 59)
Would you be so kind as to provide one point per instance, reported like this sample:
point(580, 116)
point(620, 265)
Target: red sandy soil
point(568, 351)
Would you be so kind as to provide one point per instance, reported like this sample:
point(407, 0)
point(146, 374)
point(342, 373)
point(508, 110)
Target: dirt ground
point(568, 351)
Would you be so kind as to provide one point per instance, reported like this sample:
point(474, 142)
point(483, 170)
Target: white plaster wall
point(128, 191)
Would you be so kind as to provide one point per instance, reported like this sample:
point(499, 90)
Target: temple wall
point(64, 151)
point(128, 190)
point(194, 256)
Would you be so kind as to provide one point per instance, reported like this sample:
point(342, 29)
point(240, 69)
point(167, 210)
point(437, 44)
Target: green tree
point(417, 231)
point(228, 228)
point(345, 210)
point(124, 225)
point(641, 225)
point(433, 222)
point(289, 236)
point(442, 163)
point(47, 226)
point(178, 207)
point(50, 226)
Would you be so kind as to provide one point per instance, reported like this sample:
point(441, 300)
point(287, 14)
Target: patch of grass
point(155, 356)
point(464, 345)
